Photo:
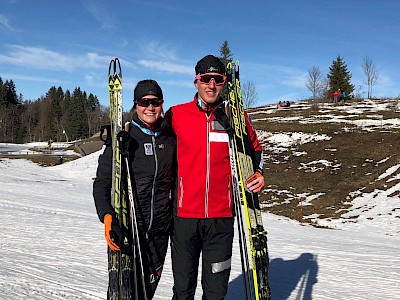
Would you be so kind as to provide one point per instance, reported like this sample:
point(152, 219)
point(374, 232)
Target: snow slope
point(52, 245)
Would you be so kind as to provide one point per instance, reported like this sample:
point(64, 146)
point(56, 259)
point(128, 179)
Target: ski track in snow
point(52, 246)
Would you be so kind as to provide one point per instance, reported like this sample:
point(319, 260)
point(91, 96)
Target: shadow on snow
point(293, 278)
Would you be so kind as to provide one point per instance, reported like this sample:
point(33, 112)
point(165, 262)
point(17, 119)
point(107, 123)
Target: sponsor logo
point(148, 149)
point(212, 69)
point(154, 278)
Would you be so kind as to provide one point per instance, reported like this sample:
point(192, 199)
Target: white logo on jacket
point(148, 149)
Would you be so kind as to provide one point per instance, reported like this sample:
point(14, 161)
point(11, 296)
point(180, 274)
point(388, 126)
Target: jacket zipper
point(153, 187)
point(208, 166)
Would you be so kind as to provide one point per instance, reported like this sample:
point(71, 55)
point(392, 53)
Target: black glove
point(107, 140)
point(124, 139)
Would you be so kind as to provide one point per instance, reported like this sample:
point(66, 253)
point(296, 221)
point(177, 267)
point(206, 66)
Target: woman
point(152, 165)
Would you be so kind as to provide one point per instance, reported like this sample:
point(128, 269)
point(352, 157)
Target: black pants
point(153, 259)
point(211, 237)
point(153, 251)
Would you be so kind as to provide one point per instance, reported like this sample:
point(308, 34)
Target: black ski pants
point(213, 239)
point(153, 252)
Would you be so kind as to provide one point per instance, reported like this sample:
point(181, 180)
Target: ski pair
point(255, 278)
point(122, 265)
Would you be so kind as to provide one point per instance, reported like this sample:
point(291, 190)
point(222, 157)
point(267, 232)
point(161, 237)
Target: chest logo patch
point(148, 149)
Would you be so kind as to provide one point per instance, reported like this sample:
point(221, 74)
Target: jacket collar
point(155, 129)
point(208, 109)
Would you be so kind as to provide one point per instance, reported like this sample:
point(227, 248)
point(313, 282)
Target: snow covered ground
point(36, 148)
point(52, 245)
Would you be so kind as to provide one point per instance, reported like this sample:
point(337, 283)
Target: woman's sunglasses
point(144, 102)
point(206, 78)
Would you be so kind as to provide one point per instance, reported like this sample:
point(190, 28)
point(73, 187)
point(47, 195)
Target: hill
point(331, 163)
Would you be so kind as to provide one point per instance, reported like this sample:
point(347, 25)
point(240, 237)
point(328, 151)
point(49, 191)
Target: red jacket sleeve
point(255, 146)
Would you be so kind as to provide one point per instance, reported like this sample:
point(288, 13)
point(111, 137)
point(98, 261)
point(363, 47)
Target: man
point(203, 221)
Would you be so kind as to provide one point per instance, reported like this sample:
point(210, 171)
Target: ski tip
point(114, 67)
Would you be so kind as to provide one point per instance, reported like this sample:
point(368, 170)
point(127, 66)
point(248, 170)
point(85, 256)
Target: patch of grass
point(352, 160)
point(320, 128)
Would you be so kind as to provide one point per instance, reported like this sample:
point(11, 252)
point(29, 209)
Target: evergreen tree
point(67, 115)
point(3, 113)
point(55, 97)
point(10, 113)
point(77, 116)
point(225, 52)
point(43, 127)
point(11, 96)
point(30, 119)
point(93, 102)
point(339, 77)
point(55, 116)
point(226, 57)
point(2, 92)
point(93, 114)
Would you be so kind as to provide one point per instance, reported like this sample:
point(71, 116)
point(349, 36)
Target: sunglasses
point(206, 78)
point(144, 102)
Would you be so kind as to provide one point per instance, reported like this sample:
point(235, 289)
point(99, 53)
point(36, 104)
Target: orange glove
point(112, 233)
point(255, 182)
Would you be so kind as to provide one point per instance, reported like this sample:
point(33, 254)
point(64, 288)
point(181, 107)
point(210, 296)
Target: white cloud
point(179, 83)
point(166, 66)
point(385, 86)
point(42, 58)
point(281, 74)
point(38, 58)
point(31, 78)
point(156, 49)
point(4, 22)
point(296, 81)
point(93, 60)
point(124, 43)
point(101, 15)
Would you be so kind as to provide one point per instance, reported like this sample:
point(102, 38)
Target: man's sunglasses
point(144, 102)
point(206, 78)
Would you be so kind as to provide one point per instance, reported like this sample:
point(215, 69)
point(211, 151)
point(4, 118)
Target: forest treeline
point(58, 116)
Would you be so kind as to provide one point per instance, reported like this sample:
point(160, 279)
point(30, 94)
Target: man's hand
point(255, 182)
point(112, 233)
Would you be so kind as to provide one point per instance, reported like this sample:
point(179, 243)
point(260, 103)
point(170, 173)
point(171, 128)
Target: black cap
point(209, 64)
point(147, 87)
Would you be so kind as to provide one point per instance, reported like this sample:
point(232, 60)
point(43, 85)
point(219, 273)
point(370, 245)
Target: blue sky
point(70, 43)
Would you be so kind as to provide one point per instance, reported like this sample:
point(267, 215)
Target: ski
point(256, 282)
point(119, 262)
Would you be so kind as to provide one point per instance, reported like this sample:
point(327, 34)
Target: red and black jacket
point(204, 188)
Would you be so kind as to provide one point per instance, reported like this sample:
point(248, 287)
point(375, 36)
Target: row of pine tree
point(58, 116)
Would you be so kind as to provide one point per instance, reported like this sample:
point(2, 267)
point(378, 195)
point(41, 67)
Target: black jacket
point(152, 156)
